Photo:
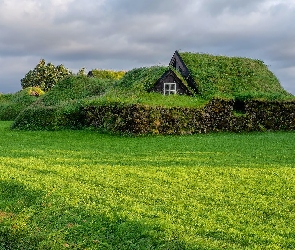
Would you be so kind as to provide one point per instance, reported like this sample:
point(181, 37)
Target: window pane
point(169, 88)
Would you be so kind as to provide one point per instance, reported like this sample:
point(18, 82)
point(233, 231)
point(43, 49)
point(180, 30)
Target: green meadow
point(84, 190)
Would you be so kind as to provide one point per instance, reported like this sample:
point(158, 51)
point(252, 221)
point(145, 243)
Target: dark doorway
point(239, 106)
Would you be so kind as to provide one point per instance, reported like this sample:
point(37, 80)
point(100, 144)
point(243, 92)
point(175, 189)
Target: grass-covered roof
point(232, 76)
point(143, 78)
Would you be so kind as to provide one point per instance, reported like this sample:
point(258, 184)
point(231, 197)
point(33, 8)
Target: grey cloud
point(122, 34)
point(231, 6)
point(151, 7)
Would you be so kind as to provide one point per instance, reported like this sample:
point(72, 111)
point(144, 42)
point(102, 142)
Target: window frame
point(169, 90)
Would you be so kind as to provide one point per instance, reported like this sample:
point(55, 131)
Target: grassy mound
point(12, 104)
point(61, 107)
point(233, 77)
point(75, 88)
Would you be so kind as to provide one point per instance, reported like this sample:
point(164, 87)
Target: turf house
point(209, 75)
point(195, 93)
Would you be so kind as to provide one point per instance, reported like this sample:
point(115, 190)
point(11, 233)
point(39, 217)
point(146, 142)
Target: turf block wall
point(217, 115)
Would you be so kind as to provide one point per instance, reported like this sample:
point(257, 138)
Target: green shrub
point(44, 76)
point(107, 74)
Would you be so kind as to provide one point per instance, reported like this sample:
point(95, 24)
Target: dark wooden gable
point(177, 63)
point(170, 77)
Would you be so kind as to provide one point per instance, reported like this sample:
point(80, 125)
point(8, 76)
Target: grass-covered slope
point(12, 104)
point(61, 106)
point(233, 77)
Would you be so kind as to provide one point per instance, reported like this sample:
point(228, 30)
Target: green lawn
point(85, 190)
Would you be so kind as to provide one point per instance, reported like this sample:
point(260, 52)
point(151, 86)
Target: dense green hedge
point(218, 115)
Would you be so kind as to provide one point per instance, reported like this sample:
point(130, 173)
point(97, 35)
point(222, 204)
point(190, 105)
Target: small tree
point(44, 76)
point(81, 72)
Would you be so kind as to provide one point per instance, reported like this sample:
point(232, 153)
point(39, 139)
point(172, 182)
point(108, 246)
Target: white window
point(169, 88)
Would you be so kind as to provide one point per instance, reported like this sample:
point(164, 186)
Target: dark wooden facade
point(177, 63)
point(170, 77)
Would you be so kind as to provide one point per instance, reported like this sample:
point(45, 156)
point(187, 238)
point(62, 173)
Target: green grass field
point(85, 190)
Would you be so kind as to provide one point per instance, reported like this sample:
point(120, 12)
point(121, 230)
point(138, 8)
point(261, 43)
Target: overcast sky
point(124, 34)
